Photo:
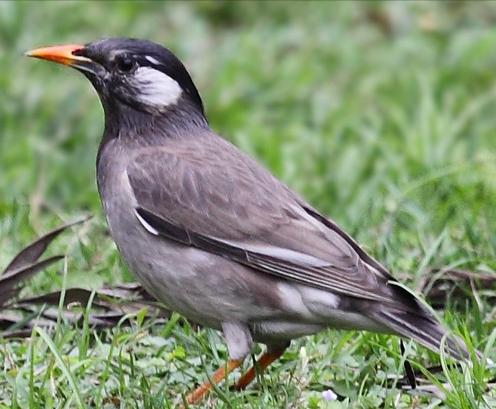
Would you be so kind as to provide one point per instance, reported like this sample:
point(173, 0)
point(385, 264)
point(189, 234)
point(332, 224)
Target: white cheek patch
point(155, 88)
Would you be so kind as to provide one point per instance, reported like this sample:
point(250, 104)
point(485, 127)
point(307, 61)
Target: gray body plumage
point(210, 232)
point(197, 181)
point(208, 288)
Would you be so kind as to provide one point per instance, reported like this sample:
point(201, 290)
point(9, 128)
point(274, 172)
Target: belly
point(203, 287)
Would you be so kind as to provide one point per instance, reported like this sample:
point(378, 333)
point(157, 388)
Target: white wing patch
point(296, 257)
point(155, 88)
point(146, 225)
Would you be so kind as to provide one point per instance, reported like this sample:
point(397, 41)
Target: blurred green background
point(381, 114)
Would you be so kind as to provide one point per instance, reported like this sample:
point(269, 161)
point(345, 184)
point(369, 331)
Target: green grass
point(380, 114)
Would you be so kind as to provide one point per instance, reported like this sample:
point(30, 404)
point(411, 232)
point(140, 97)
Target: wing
point(207, 194)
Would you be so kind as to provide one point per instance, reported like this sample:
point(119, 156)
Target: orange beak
point(62, 54)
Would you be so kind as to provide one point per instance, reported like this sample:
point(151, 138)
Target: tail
point(422, 327)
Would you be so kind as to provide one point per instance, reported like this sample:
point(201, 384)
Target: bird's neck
point(149, 127)
point(139, 128)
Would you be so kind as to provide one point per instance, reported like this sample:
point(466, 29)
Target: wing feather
point(208, 195)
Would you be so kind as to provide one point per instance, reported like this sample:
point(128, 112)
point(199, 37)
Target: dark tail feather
point(422, 328)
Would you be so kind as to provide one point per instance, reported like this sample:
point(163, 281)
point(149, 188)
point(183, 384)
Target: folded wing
point(245, 214)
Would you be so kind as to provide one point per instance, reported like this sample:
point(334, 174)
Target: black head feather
point(117, 58)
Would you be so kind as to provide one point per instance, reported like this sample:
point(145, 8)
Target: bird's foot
point(199, 393)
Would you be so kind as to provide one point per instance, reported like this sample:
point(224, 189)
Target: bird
point(212, 234)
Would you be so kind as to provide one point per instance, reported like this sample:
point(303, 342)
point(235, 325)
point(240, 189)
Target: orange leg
point(199, 393)
point(262, 363)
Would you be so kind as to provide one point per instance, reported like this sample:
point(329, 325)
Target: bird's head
point(136, 74)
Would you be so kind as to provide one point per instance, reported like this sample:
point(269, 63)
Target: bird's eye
point(125, 64)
